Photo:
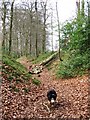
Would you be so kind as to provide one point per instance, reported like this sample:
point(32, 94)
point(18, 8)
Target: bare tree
point(31, 27)
point(26, 28)
point(88, 22)
point(4, 23)
point(36, 46)
point(45, 16)
point(11, 21)
point(52, 29)
point(58, 32)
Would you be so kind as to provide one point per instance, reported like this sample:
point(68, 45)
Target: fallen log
point(50, 59)
point(36, 69)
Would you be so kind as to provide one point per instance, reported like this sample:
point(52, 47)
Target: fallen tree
point(36, 69)
point(49, 59)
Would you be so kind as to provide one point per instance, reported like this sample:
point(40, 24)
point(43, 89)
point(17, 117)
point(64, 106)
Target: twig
point(46, 106)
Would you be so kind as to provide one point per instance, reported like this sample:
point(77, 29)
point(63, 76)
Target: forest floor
point(72, 98)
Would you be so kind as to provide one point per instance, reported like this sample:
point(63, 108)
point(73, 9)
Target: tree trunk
point(36, 46)
point(58, 31)
point(21, 47)
point(44, 40)
point(88, 23)
point(82, 11)
point(44, 31)
point(78, 8)
point(26, 45)
point(11, 21)
point(52, 30)
point(4, 26)
point(31, 17)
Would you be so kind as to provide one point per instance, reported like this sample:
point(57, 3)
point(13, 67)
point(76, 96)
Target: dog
point(52, 95)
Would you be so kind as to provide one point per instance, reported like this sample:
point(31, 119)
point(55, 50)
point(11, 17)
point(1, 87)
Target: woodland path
point(72, 97)
point(72, 94)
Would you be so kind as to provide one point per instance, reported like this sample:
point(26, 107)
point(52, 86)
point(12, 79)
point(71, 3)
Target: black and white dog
point(52, 95)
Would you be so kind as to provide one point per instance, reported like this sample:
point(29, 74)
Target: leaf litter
point(22, 100)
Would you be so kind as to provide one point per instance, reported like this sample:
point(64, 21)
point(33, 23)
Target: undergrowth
point(74, 65)
point(14, 71)
point(14, 64)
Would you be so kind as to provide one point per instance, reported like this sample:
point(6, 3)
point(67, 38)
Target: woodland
point(31, 63)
